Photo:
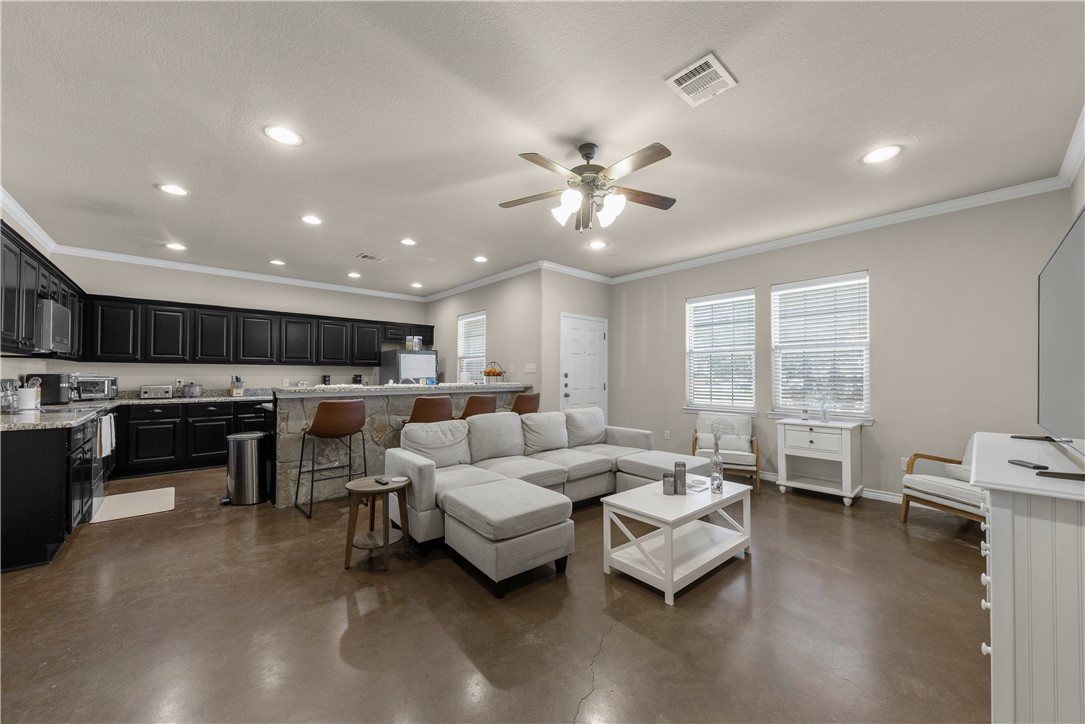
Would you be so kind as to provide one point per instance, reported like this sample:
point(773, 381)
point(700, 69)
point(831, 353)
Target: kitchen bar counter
point(53, 417)
point(387, 407)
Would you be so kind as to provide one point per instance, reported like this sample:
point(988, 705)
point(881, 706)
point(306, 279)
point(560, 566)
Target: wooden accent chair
point(739, 449)
point(942, 483)
point(334, 420)
point(525, 403)
point(431, 409)
point(478, 405)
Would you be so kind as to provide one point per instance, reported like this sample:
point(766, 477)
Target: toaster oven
point(93, 387)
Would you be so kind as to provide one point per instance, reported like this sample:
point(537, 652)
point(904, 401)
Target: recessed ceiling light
point(481, 259)
point(598, 244)
point(353, 275)
point(282, 135)
point(314, 220)
point(277, 262)
point(175, 246)
point(173, 189)
point(417, 285)
point(408, 242)
point(883, 153)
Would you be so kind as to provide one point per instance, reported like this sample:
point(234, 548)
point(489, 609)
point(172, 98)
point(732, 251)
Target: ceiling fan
point(590, 193)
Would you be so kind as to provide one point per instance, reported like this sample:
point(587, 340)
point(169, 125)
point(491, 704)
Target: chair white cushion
point(496, 435)
point(731, 457)
point(507, 508)
point(947, 488)
point(586, 426)
point(652, 464)
point(544, 431)
point(737, 431)
point(536, 472)
point(455, 477)
point(959, 472)
point(445, 443)
point(611, 452)
point(577, 463)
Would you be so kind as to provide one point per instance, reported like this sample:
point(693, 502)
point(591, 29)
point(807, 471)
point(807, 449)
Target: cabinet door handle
point(985, 604)
point(212, 409)
point(985, 579)
point(984, 527)
point(156, 410)
point(985, 649)
point(984, 510)
point(985, 548)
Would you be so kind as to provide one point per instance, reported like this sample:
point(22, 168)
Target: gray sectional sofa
point(573, 452)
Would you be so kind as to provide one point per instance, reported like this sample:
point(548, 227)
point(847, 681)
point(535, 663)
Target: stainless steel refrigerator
point(413, 367)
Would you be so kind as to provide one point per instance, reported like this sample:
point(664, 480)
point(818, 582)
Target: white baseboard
point(883, 495)
point(771, 477)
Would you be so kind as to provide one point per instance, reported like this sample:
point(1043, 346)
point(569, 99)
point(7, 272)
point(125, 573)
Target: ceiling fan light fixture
point(571, 199)
point(562, 214)
point(613, 205)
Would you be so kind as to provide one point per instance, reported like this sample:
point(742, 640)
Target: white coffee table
point(682, 548)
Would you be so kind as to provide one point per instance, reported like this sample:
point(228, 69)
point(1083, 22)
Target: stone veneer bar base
point(385, 409)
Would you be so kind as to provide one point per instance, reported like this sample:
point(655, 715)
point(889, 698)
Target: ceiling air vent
point(365, 256)
point(702, 80)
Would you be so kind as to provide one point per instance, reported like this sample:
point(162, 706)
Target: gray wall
point(953, 330)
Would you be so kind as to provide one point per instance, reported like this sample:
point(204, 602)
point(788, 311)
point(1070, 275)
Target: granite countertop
point(385, 390)
point(52, 417)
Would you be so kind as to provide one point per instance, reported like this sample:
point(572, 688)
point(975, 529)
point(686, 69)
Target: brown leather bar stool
point(525, 403)
point(431, 409)
point(334, 420)
point(478, 405)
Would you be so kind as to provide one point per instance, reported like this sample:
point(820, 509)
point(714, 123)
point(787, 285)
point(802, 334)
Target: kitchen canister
point(668, 483)
point(27, 398)
point(679, 478)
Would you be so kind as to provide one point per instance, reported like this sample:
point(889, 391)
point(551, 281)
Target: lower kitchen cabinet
point(33, 496)
point(155, 442)
point(207, 438)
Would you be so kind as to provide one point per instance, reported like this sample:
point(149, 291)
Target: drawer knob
point(985, 604)
point(985, 548)
point(811, 442)
point(985, 579)
point(985, 649)
point(811, 429)
point(984, 527)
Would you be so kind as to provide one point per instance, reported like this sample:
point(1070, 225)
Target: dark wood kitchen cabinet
point(257, 338)
point(395, 332)
point(365, 348)
point(10, 264)
point(297, 341)
point(207, 426)
point(33, 496)
point(28, 301)
point(423, 331)
point(167, 333)
point(333, 342)
point(212, 336)
point(116, 331)
point(156, 435)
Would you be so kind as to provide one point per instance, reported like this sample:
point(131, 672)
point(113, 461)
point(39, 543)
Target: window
point(470, 346)
point(821, 345)
point(720, 347)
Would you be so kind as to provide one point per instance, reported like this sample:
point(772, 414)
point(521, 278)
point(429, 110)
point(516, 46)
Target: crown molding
point(574, 272)
point(486, 281)
point(11, 207)
point(231, 273)
point(1075, 152)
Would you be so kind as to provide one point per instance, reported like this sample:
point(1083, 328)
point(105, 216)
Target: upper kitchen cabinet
point(166, 333)
point(365, 349)
point(28, 301)
point(423, 331)
point(212, 336)
point(297, 341)
point(9, 267)
point(116, 331)
point(396, 332)
point(333, 342)
point(257, 338)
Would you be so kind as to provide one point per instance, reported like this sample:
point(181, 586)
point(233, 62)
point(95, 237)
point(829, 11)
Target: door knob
point(568, 395)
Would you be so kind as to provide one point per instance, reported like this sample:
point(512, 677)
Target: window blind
point(470, 346)
point(821, 345)
point(720, 347)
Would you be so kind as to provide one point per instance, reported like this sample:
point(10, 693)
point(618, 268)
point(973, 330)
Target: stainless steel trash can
point(246, 472)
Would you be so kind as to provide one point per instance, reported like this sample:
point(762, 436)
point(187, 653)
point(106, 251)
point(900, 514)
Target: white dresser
point(1035, 581)
point(834, 441)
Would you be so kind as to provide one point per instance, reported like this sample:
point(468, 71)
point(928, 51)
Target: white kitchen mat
point(129, 505)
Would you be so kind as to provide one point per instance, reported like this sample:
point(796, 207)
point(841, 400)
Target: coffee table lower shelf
point(697, 548)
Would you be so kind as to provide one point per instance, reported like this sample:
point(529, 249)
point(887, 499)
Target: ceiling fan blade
point(645, 198)
point(551, 166)
point(644, 157)
point(529, 199)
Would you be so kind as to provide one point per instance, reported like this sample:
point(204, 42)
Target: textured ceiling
point(413, 115)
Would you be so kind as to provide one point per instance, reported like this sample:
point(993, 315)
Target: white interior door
point(583, 362)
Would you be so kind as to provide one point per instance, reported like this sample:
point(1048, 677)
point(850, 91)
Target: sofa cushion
point(577, 463)
point(495, 435)
point(445, 443)
point(537, 472)
point(455, 477)
point(612, 452)
point(586, 426)
point(731, 457)
point(507, 508)
point(947, 488)
point(652, 464)
point(544, 431)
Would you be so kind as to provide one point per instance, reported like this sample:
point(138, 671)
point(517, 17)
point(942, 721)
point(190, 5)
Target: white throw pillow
point(959, 472)
point(737, 430)
point(495, 435)
point(585, 426)
point(445, 443)
point(544, 431)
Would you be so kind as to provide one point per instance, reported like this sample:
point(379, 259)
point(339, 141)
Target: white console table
point(1035, 581)
point(836, 441)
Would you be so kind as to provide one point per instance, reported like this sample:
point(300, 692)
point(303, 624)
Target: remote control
point(383, 481)
point(1027, 464)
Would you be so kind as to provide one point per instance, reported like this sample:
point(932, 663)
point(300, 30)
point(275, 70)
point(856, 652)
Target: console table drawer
point(804, 439)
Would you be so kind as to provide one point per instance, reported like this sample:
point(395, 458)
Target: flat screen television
point(1061, 388)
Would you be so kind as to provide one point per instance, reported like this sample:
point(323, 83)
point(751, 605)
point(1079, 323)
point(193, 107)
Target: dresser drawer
point(819, 440)
point(209, 409)
point(154, 412)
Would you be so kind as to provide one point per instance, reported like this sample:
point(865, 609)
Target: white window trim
point(460, 320)
point(709, 299)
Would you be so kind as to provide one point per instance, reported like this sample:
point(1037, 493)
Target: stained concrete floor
point(225, 614)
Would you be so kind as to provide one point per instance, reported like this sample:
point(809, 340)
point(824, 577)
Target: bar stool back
point(431, 409)
point(525, 402)
point(334, 420)
point(478, 405)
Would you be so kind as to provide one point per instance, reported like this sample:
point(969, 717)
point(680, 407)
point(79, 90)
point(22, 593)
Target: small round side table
point(371, 540)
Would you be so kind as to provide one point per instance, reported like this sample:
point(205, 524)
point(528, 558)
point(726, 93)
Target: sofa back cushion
point(585, 426)
point(736, 430)
point(445, 443)
point(544, 431)
point(495, 435)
